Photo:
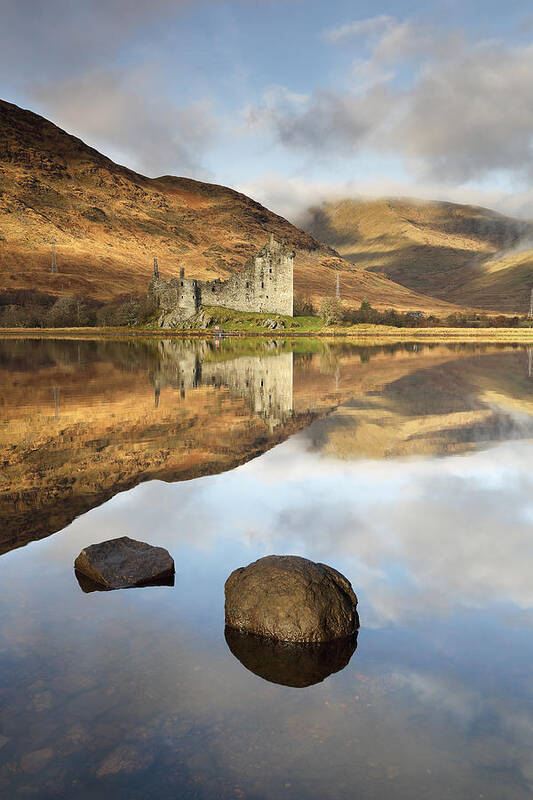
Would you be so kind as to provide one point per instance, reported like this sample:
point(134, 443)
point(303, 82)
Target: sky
point(290, 101)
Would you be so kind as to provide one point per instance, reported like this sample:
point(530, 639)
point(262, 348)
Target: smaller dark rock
point(88, 586)
point(293, 664)
point(123, 563)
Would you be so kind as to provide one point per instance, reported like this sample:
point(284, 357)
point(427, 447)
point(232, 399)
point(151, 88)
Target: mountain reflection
point(289, 663)
point(81, 421)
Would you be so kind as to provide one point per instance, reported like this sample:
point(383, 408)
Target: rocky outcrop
point(293, 664)
point(123, 563)
point(291, 599)
point(273, 324)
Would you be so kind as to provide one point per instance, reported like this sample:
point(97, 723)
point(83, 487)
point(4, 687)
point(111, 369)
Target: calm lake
point(406, 467)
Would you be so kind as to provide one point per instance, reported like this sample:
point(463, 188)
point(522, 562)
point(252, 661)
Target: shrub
point(131, 311)
point(303, 306)
point(69, 312)
point(331, 310)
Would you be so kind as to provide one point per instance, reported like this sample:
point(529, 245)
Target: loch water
point(407, 467)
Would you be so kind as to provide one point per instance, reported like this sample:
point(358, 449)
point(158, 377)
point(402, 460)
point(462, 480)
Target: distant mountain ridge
point(109, 222)
point(462, 254)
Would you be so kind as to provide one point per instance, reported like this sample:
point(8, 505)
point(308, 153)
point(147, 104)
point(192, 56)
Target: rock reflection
point(290, 664)
point(87, 585)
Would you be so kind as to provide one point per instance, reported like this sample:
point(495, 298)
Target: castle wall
point(264, 285)
point(182, 293)
point(264, 381)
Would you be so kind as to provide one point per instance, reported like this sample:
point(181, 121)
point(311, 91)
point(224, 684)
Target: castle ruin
point(264, 285)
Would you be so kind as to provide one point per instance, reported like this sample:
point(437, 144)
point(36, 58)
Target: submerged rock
point(35, 761)
point(125, 759)
point(296, 664)
point(291, 599)
point(122, 563)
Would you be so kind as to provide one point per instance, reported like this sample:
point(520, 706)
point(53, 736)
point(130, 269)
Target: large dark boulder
point(291, 599)
point(122, 563)
point(296, 664)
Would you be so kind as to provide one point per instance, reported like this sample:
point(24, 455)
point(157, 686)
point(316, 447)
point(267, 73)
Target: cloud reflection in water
point(415, 537)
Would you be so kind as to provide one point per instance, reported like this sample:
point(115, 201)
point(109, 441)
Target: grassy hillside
point(109, 223)
point(463, 254)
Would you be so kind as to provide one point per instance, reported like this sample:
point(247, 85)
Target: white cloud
point(360, 28)
point(123, 114)
point(293, 197)
point(454, 110)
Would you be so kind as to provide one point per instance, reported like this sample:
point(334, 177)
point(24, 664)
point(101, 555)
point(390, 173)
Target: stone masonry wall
point(264, 285)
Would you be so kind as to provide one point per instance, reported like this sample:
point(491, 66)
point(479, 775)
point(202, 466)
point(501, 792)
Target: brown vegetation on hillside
point(109, 222)
point(466, 255)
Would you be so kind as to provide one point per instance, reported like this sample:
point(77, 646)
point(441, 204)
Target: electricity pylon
point(53, 266)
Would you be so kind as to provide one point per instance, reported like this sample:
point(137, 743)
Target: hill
point(109, 222)
point(463, 254)
point(443, 408)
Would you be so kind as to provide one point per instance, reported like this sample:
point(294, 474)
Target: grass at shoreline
point(231, 323)
point(359, 332)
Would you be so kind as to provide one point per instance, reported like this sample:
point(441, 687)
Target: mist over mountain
point(462, 254)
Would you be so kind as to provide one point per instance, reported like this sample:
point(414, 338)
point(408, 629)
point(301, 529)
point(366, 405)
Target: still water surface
point(406, 468)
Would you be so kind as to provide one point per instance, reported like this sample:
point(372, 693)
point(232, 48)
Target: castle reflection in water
point(78, 423)
point(265, 381)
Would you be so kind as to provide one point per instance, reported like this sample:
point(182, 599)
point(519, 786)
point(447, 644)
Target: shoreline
point(359, 332)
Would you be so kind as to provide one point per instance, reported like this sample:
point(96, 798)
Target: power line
point(53, 266)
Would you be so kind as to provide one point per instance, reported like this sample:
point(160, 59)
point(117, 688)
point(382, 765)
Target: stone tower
point(265, 285)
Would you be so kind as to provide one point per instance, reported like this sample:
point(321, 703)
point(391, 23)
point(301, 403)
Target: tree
point(131, 311)
point(331, 310)
point(68, 312)
point(365, 314)
point(303, 306)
